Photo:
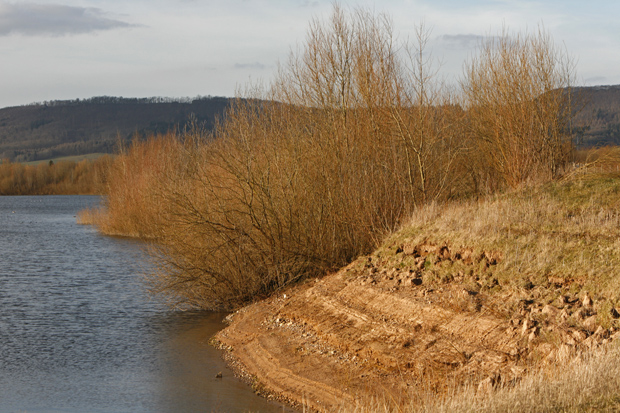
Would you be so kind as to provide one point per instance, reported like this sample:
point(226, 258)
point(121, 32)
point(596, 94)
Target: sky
point(68, 49)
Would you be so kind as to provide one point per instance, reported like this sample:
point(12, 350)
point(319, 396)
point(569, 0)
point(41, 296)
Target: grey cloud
point(32, 19)
point(462, 41)
point(255, 65)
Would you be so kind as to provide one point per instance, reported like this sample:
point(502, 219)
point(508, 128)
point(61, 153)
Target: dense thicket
point(49, 178)
point(354, 133)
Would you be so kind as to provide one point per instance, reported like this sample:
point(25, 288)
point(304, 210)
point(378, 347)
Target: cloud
point(596, 80)
point(462, 41)
point(32, 19)
point(254, 66)
point(466, 41)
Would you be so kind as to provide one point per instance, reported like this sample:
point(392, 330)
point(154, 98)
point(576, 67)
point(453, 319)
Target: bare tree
point(517, 92)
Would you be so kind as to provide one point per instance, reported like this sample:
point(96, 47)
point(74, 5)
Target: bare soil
point(374, 331)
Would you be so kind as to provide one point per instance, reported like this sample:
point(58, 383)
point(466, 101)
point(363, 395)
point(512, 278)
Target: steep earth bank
point(387, 332)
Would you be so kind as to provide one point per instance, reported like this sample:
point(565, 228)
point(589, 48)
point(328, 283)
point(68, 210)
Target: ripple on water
point(79, 333)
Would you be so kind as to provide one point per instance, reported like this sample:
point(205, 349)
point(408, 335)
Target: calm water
point(78, 332)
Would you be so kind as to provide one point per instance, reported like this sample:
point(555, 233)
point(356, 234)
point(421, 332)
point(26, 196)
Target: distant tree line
point(54, 178)
point(75, 127)
point(119, 100)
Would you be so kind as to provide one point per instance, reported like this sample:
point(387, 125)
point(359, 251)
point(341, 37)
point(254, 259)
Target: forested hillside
point(76, 127)
point(599, 118)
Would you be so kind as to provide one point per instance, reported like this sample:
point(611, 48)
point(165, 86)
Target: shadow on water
point(78, 331)
point(187, 368)
point(192, 367)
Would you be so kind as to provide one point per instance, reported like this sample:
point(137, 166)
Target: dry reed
point(60, 178)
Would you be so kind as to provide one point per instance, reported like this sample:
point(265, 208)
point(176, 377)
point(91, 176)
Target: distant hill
point(599, 118)
point(76, 127)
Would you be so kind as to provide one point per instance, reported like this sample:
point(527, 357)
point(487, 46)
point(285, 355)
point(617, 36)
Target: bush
point(518, 95)
point(302, 177)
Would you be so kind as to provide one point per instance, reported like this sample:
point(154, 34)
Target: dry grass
point(566, 231)
point(587, 383)
point(558, 239)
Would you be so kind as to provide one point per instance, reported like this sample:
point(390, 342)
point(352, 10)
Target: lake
point(79, 332)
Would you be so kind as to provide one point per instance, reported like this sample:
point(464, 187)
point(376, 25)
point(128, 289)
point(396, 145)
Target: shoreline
point(369, 332)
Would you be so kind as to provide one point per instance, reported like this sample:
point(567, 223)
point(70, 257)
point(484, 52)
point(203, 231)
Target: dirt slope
point(371, 330)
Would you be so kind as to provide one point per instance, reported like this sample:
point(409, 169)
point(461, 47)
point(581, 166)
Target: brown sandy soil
point(372, 331)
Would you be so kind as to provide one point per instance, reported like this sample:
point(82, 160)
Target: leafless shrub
point(517, 93)
point(304, 176)
point(352, 136)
